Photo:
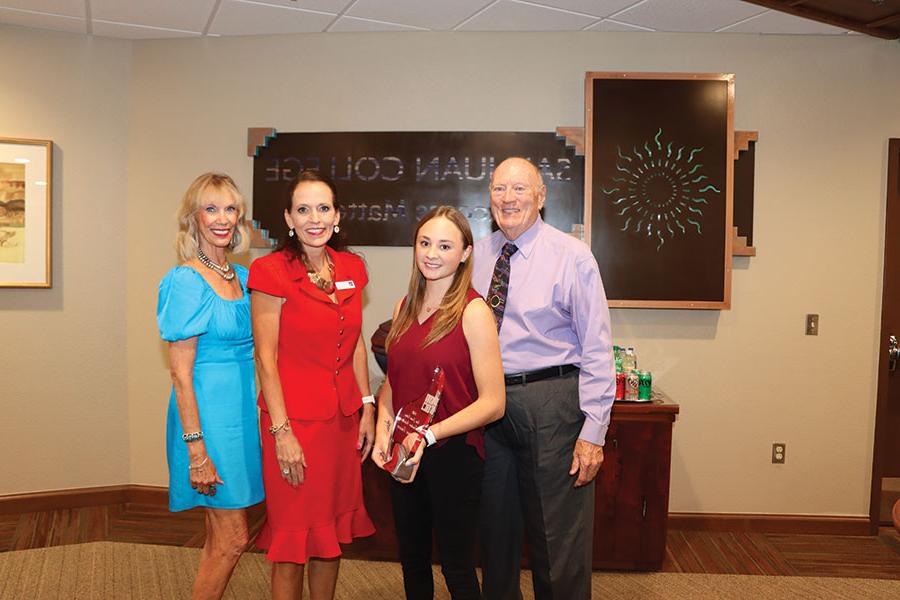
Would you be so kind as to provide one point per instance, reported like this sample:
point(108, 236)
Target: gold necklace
point(324, 284)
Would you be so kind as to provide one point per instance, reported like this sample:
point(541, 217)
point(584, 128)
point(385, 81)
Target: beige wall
point(62, 351)
point(745, 378)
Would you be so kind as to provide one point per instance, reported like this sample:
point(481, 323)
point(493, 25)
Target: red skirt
point(311, 520)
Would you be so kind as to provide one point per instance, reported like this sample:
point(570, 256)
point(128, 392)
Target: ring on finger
point(285, 471)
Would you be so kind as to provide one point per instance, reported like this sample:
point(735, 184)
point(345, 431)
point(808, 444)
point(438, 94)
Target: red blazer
point(316, 337)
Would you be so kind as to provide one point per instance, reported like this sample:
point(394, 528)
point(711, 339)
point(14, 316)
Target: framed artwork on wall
point(25, 194)
point(659, 173)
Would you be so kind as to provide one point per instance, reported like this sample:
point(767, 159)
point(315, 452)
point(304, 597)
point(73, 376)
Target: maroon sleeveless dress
point(410, 367)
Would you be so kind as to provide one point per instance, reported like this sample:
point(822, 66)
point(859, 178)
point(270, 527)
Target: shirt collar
point(525, 242)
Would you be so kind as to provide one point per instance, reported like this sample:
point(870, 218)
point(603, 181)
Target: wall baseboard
point(80, 497)
point(747, 523)
point(734, 522)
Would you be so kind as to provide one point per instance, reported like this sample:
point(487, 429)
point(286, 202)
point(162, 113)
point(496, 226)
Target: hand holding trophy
point(409, 426)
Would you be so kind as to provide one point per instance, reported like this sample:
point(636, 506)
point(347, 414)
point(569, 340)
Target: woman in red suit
point(317, 416)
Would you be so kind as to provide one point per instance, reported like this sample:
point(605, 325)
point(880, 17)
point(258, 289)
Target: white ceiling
point(149, 19)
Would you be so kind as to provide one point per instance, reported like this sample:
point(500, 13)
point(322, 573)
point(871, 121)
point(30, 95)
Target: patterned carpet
point(147, 572)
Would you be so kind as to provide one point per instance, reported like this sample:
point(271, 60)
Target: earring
point(291, 232)
point(337, 229)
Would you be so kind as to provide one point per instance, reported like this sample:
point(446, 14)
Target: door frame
point(892, 204)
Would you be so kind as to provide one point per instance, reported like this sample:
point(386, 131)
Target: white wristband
point(429, 437)
point(368, 399)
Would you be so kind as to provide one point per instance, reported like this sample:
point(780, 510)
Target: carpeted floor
point(138, 571)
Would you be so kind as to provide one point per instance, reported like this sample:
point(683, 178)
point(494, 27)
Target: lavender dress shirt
point(556, 314)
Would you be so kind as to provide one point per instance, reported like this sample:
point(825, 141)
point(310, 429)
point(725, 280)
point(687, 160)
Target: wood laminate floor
point(687, 551)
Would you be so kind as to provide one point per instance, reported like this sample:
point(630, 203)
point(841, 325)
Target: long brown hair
point(291, 244)
point(454, 301)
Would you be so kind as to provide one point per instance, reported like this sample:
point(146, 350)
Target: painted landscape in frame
point(25, 192)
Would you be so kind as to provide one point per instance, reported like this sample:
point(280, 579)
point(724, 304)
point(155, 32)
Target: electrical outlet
point(778, 450)
point(812, 324)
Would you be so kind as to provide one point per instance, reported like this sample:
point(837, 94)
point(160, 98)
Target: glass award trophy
point(413, 418)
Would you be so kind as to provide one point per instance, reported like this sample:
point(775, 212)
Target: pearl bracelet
point(194, 436)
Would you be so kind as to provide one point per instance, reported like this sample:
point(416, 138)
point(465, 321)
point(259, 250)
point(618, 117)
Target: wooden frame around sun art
point(638, 111)
point(26, 190)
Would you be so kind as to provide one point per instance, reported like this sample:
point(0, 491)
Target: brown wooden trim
point(742, 141)
point(740, 245)
point(259, 238)
point(744, 523)
point(794, 8)
point(668, 303)
point(574, 137)
point(881, 380)
point(888, 20)
point(80, 497)
point(256, 137)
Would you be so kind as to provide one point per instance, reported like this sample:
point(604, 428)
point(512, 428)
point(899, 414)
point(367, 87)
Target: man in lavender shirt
point(555, 341)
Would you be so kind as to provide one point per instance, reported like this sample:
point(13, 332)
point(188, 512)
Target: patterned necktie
point(500, 282)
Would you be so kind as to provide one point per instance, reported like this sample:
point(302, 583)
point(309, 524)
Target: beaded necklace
point(224, 271)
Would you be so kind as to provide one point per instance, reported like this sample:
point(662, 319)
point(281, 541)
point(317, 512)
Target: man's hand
point(586, 461)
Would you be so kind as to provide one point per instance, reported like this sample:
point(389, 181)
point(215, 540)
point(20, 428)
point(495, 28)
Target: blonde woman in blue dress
point(213, 443)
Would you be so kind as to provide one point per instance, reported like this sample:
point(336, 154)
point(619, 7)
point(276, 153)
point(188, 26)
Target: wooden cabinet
point(631, 506)
point(632, 495)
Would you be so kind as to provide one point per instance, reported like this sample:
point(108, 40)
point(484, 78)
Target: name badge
point(345, 285)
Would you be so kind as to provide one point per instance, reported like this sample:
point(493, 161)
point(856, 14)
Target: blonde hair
point(186, 241)
point(455, 300)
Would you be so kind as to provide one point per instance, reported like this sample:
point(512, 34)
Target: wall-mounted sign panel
point(659, 177)
point(387, 180)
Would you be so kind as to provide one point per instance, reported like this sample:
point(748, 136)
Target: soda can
point(632, 383)
point(620, 386)
point(645, 385)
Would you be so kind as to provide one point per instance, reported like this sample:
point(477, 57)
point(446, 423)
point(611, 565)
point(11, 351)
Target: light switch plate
point(812, 324)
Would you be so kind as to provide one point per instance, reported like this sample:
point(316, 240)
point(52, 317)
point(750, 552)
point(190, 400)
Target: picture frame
point(659, 187)
point(26, 192)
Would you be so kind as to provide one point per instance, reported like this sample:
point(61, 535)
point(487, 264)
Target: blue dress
point(224, 385)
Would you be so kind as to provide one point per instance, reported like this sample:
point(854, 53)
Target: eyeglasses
point(519, 190)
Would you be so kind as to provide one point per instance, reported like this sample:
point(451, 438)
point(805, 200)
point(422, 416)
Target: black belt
point(532, 376)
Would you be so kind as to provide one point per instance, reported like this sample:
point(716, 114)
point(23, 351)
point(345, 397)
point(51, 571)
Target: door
point(886, 464)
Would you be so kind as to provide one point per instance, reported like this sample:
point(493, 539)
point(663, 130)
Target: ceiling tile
point(515, 16)
point(608, 25)
point(251, 18)
point(688, 15)
point(41, 21)
point(598, 8)
point(69, 8)
point(432, 14)
point(172, 14)
point(329, 6)
point(136, 32)
point(348, 24)
point(779, 22)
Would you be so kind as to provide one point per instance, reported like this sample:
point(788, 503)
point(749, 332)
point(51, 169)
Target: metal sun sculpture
point(660, 190)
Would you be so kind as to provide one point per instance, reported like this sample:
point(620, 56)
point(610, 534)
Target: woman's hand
point(382, 443)
point(366, 431)
point(414, 459)
point(204, 476)
point(290, 456)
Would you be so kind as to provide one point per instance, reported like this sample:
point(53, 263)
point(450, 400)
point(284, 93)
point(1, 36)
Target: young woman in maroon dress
point(442, 322)
point(316, 425)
